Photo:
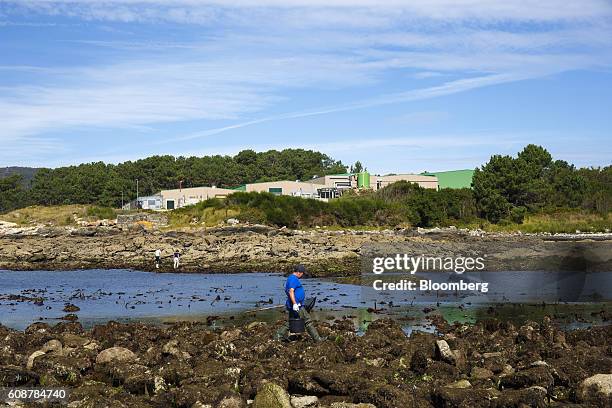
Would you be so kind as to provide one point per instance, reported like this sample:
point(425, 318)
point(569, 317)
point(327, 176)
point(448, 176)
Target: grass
point(57, 215)
point(562, 221)
point(193, 217)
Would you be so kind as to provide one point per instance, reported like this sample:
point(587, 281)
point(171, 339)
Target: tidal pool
point(225, 299)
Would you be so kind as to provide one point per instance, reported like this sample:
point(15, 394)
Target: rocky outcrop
point(262, 248)
point(145, 366)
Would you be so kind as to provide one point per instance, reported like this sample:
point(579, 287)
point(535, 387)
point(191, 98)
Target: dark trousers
point(283, 332)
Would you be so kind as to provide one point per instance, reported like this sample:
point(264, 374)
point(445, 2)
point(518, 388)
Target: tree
point(12, 193)
point(357, 167)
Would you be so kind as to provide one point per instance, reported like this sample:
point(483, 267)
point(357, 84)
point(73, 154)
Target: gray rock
point(480, 373)
point(52, 345)
point(33, 356)
point(596, 390)
point(460, 384)
point(115, 354)
point(307, 401)
point(444, 351)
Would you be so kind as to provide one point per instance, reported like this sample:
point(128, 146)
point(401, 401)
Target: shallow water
point(125, 295)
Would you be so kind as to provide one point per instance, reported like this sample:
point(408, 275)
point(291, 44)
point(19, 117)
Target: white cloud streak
point(256, 53)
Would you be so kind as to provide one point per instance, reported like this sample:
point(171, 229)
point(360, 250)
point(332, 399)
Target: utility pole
point(137, 206)
point(122, 199)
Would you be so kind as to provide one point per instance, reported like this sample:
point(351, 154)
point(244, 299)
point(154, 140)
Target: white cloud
point(255, 53)
point(203, 11)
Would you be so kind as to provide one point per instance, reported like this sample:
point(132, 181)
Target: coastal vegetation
point(531, 192)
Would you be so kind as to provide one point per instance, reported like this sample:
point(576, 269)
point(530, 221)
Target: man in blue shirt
point(294, 304)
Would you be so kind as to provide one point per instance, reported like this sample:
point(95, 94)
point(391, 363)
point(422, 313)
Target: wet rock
point(32, 357)
point(596, 390)
point(480, 373)
point(272, 396)
point(462, 397)
point(114, 355)
point(444, 352)
point(460, 384)
point(307, 401)
point(528, 397)
point(73, 340)
point(71, 317)
point(539, 376)
point(232, 400)
point(171, 348)
point(52, 346)
point(231, 335)
point(70, 308)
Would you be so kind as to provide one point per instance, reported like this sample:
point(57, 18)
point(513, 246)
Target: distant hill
point(26, 172)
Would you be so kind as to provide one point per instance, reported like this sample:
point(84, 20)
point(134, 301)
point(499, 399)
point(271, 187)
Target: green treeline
point(103, 184)
point(505, 190)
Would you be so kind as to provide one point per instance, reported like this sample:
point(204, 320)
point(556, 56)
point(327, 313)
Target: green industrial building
point(453, 178)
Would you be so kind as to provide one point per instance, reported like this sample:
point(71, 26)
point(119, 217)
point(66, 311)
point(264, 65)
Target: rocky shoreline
point(190, 365)
point(266, 249)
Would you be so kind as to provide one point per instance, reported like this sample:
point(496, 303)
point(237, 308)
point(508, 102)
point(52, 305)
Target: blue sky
point(405, 87)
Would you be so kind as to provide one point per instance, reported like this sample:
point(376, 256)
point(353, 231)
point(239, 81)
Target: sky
point(402, 86)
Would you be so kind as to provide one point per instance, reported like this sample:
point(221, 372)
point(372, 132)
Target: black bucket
point(296, 325)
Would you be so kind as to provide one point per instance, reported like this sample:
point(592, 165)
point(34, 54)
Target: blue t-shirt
point(294, 282)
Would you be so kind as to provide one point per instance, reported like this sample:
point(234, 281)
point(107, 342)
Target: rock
point(114, 355)
point(491, 355)
point(272, 396)
point(31, 358)
point(73, 340)
point(70, 308)
point(231, 335)
point(539, 376)
point(460, 384)
point(52, 345)
point(172, 349)
point(480, 373)
point(307, 401)
point(596, 390)
point(375, 362)
point(444, 352)
point(231, 401)
point(351, 405)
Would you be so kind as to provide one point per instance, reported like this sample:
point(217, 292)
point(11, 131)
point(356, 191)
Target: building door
point(170, 204)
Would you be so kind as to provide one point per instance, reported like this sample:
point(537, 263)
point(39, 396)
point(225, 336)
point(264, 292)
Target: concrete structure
point(454, 178)
point(378, 182)
point(181, 197)
point(286, 187)
point(339, 181)
point(150, 202)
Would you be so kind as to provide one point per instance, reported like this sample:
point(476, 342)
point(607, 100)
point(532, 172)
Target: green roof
point(239, 188)
point(453, 178)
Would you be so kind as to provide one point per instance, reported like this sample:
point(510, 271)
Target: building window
point(170, 204)
point(275, 190)
point(152, 203)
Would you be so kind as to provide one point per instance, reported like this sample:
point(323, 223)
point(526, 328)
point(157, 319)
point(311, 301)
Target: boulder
point(307, 401)
point(33, 356)
point(272, 396)
point(460, 384)
point(52, 345)
point(444, 352)
point(480, 373)
point(115, 354)
point(596, 390)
